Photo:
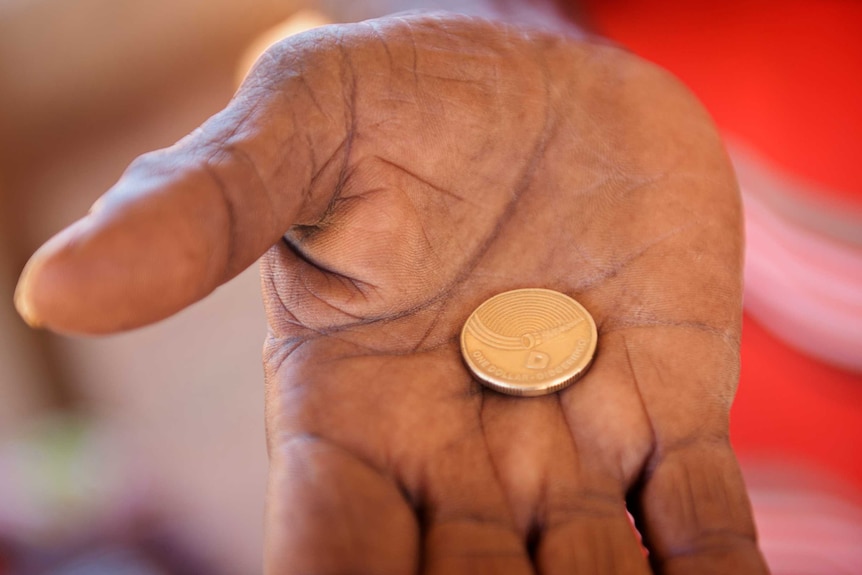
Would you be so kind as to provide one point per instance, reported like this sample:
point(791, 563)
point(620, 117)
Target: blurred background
point(144, 453)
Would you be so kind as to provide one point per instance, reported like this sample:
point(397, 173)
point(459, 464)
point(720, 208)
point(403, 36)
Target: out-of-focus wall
point(85, 87)
point(68, 57)
point(181, 401)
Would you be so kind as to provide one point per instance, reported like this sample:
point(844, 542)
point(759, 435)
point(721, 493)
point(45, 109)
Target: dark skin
point(396, 174)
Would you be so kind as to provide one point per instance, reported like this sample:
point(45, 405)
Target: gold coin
point(529, 341)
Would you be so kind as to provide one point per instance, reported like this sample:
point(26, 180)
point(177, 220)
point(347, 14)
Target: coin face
point(529, 341)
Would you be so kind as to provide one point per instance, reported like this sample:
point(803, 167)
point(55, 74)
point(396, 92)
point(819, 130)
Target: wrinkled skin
point(407, 169)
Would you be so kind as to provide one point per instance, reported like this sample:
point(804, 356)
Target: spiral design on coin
point(521, 312)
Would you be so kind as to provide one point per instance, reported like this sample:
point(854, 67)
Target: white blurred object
point(805, 288)
point(808, 523)
point(803, 261)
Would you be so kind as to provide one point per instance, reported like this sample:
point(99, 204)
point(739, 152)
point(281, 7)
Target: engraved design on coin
point(529, 341)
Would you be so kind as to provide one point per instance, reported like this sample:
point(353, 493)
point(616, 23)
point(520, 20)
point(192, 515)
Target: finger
point(469, 528)
point(695, 512)
point(481, 545)
point(330, 512)
point(575, 489)
point(586, 527)
point(184, 220)
point(690, 501)
point(592, 533)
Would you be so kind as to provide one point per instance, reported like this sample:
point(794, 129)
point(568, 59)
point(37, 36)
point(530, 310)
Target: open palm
point(407, 169)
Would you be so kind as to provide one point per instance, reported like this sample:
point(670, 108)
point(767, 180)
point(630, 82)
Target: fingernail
point(23, 301)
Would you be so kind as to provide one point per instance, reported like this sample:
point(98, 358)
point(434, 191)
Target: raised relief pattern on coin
point(529, 341)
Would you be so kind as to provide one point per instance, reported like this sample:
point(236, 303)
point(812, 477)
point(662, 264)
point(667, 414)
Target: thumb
point(182, 221)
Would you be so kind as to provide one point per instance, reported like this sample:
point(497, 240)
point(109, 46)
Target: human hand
point(406, 170)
